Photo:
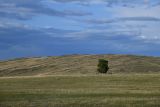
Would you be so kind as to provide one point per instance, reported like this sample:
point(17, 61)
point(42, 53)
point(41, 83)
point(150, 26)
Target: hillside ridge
point(78, 64)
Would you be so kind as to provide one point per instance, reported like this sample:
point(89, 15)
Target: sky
point(32, 28)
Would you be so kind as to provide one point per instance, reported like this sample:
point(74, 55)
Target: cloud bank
point(58, 27)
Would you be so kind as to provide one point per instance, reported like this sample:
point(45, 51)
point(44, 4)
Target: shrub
point(103, 66)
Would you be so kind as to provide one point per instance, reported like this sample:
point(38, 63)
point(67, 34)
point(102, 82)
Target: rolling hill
point(78, 64)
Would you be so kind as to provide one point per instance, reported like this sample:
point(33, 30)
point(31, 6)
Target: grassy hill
point(68, 88)
point(78, 64)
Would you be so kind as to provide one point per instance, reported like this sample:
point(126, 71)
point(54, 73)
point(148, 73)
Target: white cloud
point(136, 12)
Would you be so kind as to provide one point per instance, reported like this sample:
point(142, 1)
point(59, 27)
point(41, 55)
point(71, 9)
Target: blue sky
point(30, 28)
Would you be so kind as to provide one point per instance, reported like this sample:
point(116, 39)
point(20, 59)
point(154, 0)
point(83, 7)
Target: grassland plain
point(112, 90)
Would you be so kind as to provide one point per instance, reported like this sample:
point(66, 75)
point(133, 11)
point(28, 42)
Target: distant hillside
point(78, 64)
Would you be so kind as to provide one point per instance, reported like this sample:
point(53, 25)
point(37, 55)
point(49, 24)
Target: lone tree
point(103, 66)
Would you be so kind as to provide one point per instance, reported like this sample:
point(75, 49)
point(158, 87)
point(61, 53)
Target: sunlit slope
point(78, 64)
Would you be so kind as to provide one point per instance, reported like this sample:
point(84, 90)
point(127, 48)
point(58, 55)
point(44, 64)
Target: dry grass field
point(112, 90)
point(72, 81)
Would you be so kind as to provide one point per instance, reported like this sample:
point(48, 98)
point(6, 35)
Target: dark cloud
point(110, 3)
point(26, 9)
point(24, 41)
point(123, 19)
point(140, 19)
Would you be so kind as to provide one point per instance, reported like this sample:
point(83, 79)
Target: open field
point(116, 90)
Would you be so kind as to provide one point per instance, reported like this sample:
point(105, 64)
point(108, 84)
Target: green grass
point(118, 90)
